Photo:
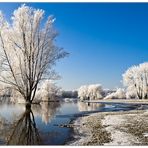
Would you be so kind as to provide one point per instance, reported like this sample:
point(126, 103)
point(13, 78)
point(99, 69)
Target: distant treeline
point(69, 94)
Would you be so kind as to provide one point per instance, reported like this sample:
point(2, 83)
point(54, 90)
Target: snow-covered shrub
point(47, 91)
point(119, 94)
point(106, 92)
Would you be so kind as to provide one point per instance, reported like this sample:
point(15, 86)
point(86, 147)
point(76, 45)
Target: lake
point(40, 125)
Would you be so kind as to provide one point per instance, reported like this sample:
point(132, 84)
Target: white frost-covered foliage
point(83, 92)
point(47, 91)
point(119, 94)
point(90, 92)
point(136, 81)
point(27, 50)
point(130, 93)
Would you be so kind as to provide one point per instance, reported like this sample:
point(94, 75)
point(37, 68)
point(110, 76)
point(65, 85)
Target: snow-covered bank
point(113, 124)
point(88, 130)
point(112, 128)
point(133, 101)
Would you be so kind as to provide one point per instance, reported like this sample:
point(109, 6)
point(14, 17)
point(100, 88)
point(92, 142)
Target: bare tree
point(27, 51)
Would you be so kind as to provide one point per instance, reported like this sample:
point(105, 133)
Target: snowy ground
point(112, 128)
point(134, 101)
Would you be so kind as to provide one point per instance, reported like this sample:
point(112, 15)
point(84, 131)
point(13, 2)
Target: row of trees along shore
point(135, 81)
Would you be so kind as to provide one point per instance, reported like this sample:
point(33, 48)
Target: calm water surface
point(38, 126)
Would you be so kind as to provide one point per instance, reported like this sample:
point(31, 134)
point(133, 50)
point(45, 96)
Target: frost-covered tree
point(118, 94)
point(90, 92)
point(27, 50)
point(131, 93)
point(136, 80)
point(83, 92)
point(95, 91)
point(48, 91)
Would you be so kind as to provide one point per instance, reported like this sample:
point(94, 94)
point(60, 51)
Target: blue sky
point(103, 40)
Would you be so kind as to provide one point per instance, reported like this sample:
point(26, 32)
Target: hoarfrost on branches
point(48, 91)
point(136, 81)
point(90, 92)
point(27, 50)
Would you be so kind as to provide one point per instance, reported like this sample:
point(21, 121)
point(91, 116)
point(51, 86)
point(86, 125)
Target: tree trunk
point(140, 97)
point(28, 104)
point(146, 97)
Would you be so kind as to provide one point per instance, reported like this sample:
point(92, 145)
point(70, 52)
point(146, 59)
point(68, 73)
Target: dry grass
point(99, 134)
point(137, 126)
point(135, 123)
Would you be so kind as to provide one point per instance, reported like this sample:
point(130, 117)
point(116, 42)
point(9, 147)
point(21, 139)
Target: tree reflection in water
point(46, 110)
point(82, 106)
point(25, 131)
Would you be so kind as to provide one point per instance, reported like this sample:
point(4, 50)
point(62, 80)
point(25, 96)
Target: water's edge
point(72, 139)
